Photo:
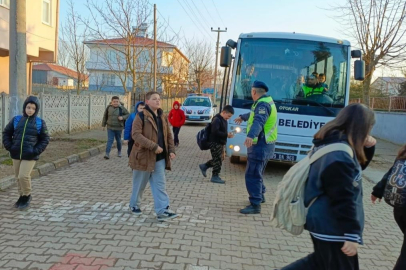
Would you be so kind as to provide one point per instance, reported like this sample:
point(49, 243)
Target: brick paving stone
point(81, 213)
point(41, 266)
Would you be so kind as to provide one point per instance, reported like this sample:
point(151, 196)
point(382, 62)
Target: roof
point(137, 41)
point(294, 35)
point(395, 80)
point(60, 69)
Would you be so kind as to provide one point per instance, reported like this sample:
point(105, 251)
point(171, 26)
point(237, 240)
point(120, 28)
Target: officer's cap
point(259, 84)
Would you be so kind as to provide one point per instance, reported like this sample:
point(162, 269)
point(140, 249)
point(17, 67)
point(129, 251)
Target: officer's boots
point(251, 209)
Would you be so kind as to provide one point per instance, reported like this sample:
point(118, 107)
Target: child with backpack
point(218, 139)
point(129, 124)
point(392, 188)
point(333, 191)
point(25, 137)
point(114, 118)
point(177, 119)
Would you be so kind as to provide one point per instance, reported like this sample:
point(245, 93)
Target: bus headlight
point(237, 148)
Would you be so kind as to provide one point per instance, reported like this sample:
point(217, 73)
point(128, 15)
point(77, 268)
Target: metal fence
point(391, 104)
point(67, 113)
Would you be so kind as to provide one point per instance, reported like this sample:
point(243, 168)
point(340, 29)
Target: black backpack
point(203, 137)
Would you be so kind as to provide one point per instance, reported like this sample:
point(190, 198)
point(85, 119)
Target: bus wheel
point(235, 159)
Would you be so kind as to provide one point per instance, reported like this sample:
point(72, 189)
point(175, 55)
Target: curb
point(47, 168)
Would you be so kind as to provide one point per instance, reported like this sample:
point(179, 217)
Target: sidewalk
point(97, 134)
point(79, 220)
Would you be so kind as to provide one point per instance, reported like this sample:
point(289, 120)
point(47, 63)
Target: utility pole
point(155, 47)
point(217, 56)
point(18, 57)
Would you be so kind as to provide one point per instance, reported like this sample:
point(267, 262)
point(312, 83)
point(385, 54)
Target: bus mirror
point(359, 70)
point(356, 54)
point(225, 57)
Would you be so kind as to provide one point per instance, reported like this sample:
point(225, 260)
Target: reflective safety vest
point(308, 91)
point(271, 125)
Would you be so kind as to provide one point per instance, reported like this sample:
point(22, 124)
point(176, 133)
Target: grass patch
point(8, 162)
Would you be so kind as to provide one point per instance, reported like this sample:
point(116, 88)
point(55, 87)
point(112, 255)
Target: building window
point(109, 79)
point(5, 3)
point(46, 11)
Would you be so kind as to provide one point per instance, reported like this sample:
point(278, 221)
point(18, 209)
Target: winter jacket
point(219, 127)
point(110, 118)
point(335, 179)
point(146, 141)
point(177, 116)
point(26, 141)
point(393, 185)
point(130, 120)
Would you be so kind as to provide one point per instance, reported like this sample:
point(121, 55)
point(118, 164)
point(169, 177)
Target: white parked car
point(198, 109)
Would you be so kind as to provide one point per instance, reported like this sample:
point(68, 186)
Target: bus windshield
point(296, 72)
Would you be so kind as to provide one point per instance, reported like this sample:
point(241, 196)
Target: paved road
point(79, 220)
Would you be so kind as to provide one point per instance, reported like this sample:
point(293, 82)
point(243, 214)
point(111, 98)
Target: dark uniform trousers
point(216, 161)
point(257, 159)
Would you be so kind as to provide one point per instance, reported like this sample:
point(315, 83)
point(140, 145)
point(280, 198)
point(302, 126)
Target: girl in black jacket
point(336, 218)
point(25, 137)
point(392, 188)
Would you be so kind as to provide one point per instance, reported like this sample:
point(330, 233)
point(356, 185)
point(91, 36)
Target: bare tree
point(378, 27)
point(63, 55)
point(201, 62)
point(73, 34)
point(120, 30)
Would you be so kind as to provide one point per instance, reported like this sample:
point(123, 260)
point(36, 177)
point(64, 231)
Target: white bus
point(288, 62)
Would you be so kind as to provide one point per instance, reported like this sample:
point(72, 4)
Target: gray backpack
point(289, 209)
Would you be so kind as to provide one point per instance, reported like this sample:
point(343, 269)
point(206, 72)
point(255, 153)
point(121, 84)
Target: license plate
point(194, 117)
point(284, 157)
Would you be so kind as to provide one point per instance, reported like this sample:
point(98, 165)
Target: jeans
point(400, 217)
point(157, 182)
point(111, 135)
point(176, 135)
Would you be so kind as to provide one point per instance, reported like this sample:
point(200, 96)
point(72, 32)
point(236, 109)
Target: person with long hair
point(392, 188)
point(336, 218)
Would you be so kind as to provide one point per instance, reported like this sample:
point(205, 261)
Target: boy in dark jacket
point(25, 137)
point(114, 118)
point(218, 138)
point(128, 125)
point(392, 188)
point(177, 119)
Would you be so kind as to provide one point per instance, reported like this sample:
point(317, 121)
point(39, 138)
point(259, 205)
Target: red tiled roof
point(138, 41)
point(62, 70)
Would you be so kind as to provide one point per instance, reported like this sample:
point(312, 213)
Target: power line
point(218, 13)
point(198, 11)
point(197, 18)
point(208, 12)
point(176, 34)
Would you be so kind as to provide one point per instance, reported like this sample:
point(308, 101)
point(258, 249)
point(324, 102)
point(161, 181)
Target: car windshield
point(197, 101)
point(297, 72)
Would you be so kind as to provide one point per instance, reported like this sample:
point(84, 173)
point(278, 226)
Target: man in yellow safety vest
point(261, 136)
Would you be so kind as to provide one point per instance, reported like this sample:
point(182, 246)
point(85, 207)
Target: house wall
point(4, 75)
point(41, 38)
point(387, 127)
